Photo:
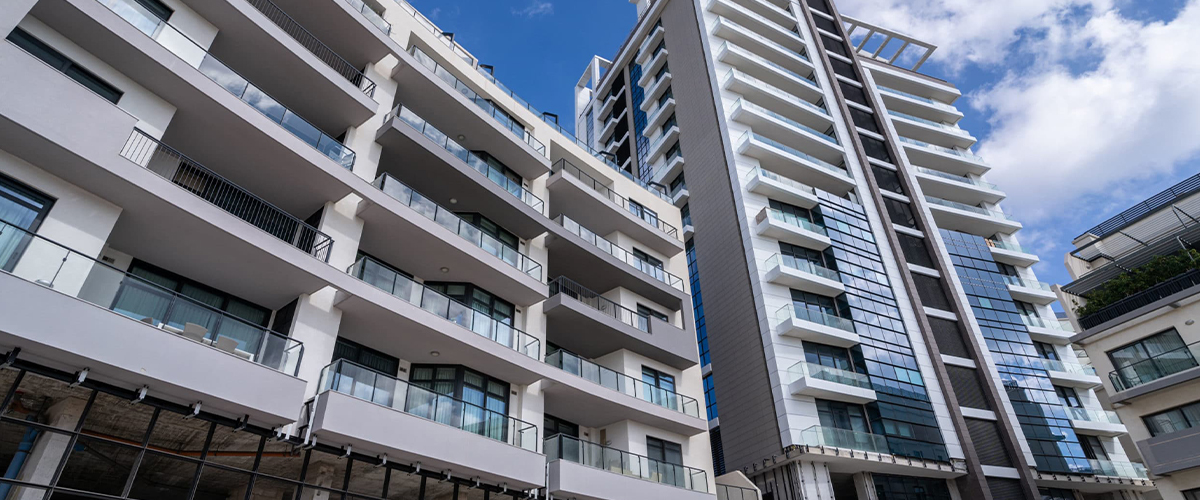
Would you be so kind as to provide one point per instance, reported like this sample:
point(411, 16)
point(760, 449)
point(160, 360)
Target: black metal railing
point(565, 166)
point(208, 185)
point(1143, 298)
point(314, 45)
point(620, 382)
point(50, 264)
point(583, 294)
point(654, 270)
point(571, 449)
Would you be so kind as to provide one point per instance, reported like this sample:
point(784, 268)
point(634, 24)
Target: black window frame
point(65, 65)
point(357, 353)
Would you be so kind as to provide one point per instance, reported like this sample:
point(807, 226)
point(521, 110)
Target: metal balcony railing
point(653, 270)
point(749, 135)
point(358, 381)
point(967, 208)
point(623, 383)
point(791, 220)
point(788, 312)
point(455, 224)
point(1143, 298)
point(844, 438)
point(314, 45)
point(727, 492)
point(471, 159)
point(564, 166)
point(45, 262)
point(211, 187)
point(561, 447)
point(956, 178)
point(594, 300)
point(387, 279)
point(829, 374)
point(372, 17)
point(803, 265)
point(767, 174)
point(1155, 367)
point(197, 57)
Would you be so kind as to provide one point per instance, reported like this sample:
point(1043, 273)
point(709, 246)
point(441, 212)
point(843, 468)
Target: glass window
point(1046, 351)
point(487, 396)
point(492, 229)
point(24, 208)
point(658, 379)
point(826, 355)
point(141, 298)
point(1193, 494)
point(479, 299)
point(839, 415)
point(554, 425)
point(363, 355)
point(648, 312)
point(58, 61)
point(664, 451)
point(1068, 397)
point(1152, 358)
point(1093, 448)
point(1173, 420)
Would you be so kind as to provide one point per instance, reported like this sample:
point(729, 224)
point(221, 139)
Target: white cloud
point(535, 8)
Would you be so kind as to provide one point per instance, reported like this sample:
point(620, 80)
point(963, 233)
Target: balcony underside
point(945, 162)
point(1014, 257)
point(970, 222)
point(340, 25)
point(962, 192)
point(580, 401)
point(932, 133)
point(590, 333)
point(843, 460)
point(577, 200)
point(1091, 484)
point(1032, 295)
point(1092, 428)
point(824, 389)
point(1077, 380)
point(571, 256)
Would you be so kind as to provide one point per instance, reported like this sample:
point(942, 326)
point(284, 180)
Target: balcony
point(804, 275)
point(1052, 331)
point(380, 414)
point(614, 144)
point(846, 451)
point(587, 323)
point(581, 469)
point(656, 35)
point(610, 126)
point(433, 91)
point(827, 382)
point(820, 144)
point(133, 332)
point(646, 269)
point(1141, 298)
point(680, 195)
point(666, 139)
point(1178, 363)
point(395, 310)
point(427, 239)
point(930, 131)
point(790, 162)
point(417, 152)
point(658, 59)
point(1071, 374)
point(1011, 253)
point(771, 223)
point(771, 10)
point(944, 159)
point(957, 187)
point(1096, 422)
point(789, 57)
point(787, 80)
point(606, 107)
point(970, 219)
point(919, 106)
point(1029, 290)
point(792, 106)
point(757, 24)
point(671, 168)
point(815, 326)
point(597, 206)
point(657, 116)
point(576, 398)
point(778, 187)
point(1171, 452)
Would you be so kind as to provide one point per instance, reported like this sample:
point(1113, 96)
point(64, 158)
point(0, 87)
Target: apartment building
point(869, 326)
point(1134, 300)
point(285, 249)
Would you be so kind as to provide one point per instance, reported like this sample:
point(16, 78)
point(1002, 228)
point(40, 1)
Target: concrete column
point(48, 448)
point(362, 138)
point(864, 486)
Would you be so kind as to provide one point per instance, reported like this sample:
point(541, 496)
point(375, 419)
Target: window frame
point(25, 41)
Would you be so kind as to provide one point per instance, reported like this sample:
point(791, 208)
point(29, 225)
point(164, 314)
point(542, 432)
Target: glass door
point(23, 208)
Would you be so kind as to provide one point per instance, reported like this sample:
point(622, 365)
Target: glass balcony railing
point(939, 125)
point(561, 447)
point(942, 149)
point(622, 383)
point(767, 174)
point(314, 45)
point(1118, 469)
point(387, 279)
point(926, 100)
point(653, 270)
point(438, 34)
point(749, 135)
point(790, 312)
point(197, 57)
point(762, 39)
point(956, 178)
point(803, 265)
point(455, 224)
point(791, 220)
point(360, 382)
point(657, 189)
point(1012, 247)
point(829, 374)
point(1054, 324)
point(564, 166)
point(761, 60)
point(844, 438)
point(503, 118)
point(654, 146)
point(1155, 367)
point(759, 109)
point(372, 17)
point(967, 208)
point(471, 159)
point(211, 187)
point(1060, 366)
point(1027, 283)
point(727, 492)
point(1093, 415)
point(47, 263)
point(778, 92)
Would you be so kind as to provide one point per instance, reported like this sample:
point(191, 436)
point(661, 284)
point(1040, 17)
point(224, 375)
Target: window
point(798, 257)
point(1028, 313)
point(492, 229)
point(1093, 448)
point(365, 356)
point(1068, 397)
point(644, 213)
point(23, 207)
point(900, 213)
point(678, 183)
point(1193, 494)
point(825, 355)
point(853, 94)
point(710, 397)
point(664, 451)
point(1046, 351)
point(504, 176)
point(488, 396)
point(862, 119)
point(659, 388)
point(665, 69)
point(888, 180)
point(675, 150)
point(648, 264)
point(142, 299)
point(671, 122)
point(554, 425)
point(875, 148)
point(1173, 420)
point(479, 299)
point(651, 313)
point(806, 303)
point(666, 96)
point(1151, 358)
point(845, 416)
point(58, 61)
point(793, 212)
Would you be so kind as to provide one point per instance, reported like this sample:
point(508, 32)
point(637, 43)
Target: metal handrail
point(803, 265)
point(1142, 298)
point(372, 17)
point(828, 373)
point(956, 178)
point(455, 224)
point(597, 456)
point(1155, 367)
point(729, 492)
point(749, 135)
point(173, 166)
point(786, 313)
point(741, 102)
point(442, 36)
point(622, 383)
point(967, 208)
point(56, 266)
point(654, 271)
point(196, 56)
point(353, 379)
point(314, 45)
point(790, 219)
point(472, 160)
point(594, 300)
point(489, 108)
point(383, 277)
point(565, 166)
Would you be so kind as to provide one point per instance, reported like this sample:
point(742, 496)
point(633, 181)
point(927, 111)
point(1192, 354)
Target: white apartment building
point(1134, 300)
point(869, 325)
point(312, 249)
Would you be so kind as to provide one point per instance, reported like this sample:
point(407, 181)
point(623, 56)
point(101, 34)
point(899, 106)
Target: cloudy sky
point(1082, 107)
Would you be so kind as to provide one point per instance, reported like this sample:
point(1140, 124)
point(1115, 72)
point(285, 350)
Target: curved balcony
point(593, 479)
point(802, 274)
point(827, 382)
point(815, 326)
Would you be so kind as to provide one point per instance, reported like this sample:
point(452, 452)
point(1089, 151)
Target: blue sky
point(1082, 107)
